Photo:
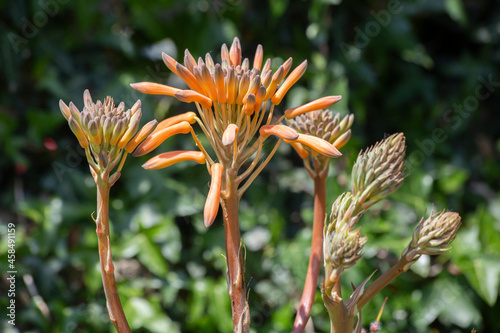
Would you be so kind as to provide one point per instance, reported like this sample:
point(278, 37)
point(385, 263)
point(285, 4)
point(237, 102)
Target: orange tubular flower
point(319, 145)
point(152, 88)
point(190, 117)
point(212, 203)
point(156, 138)
point(167, 159)
point(318, 104)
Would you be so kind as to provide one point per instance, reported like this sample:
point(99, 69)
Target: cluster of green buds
point(432, 235)
point(321, 124)
point(106, 132)
point(376, 173)
point(342, 246)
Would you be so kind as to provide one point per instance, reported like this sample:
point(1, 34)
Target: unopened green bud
point(129, 134)
point(433, 235)
point(94, 133)
point(378, 171)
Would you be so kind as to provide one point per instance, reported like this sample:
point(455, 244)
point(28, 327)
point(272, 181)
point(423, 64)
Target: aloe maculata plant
point(236, 111)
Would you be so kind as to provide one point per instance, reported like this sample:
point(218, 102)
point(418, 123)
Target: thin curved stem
point(115, 309)
point(314, 266)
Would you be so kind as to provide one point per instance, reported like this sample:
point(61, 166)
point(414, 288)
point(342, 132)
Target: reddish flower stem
point(115, 309)
point(234, 258)
point(311, 283)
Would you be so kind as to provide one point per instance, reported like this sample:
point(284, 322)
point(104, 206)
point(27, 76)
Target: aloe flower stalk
point(316, 125)
point(235, 102)
point(107, 133)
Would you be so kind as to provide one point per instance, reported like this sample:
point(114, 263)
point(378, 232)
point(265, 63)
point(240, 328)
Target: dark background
point(427, 68)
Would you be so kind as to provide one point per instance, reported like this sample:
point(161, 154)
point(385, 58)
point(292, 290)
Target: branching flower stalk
point(322, 124)
point(107, 133)
point(376, 173)
point(236, 110)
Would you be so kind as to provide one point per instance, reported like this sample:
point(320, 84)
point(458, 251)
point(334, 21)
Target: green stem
point(382, 282)
point(115, 309)
point(311, 282)
point(234, 258)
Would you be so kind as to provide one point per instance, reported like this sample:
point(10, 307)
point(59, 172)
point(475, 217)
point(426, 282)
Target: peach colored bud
point(231, 86)
point(64, 109)
point(189, 60)
point(213, 197)
point(133, 127)
point(74, 112)
point(248, 107)
point(169, 158)
point(320, 103)
point(219, 84)
point(207, 83)
point(287, 65)
point(188, 116)
point(294, 76)
point(141, 135)
point(189, 96)
point(259, 98)
point(277, 77)
point(235, 52)
point(300, 150)
point(77, 130)
point(189, 78)
point(281, 131)
point(321, 146)
point(259, 56)
point(224, 53)
point(87, 99)
point(209, 61)
point(267, 66)
point(229, 134)
point(342, 140)
point(169, 62)
point(135, 107)
point(243, 88)
point(154, 88)
point(156, 138)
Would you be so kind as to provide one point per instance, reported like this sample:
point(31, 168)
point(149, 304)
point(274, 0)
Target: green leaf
point(455, 9)
point(150, 256)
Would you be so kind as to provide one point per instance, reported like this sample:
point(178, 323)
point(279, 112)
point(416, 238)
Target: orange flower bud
point(213, 197)
point(248, 108)
point(289, 82)
point(219, 83)
point(320, 103)
point(229, 134)
point(188, 116)
point(189, 60)
point(189, 96)
point(189, 78)
point(231, 86)
point(156, 138)
point(281, 131)
point(77, 130)
point(169, 62)
point(152, 88)
point(277, 77)
point(141, 135)
point(64, 109)
point(342, 140)
point(259, 56)
point(235, 52)
point(321, 146)
point(169, 158)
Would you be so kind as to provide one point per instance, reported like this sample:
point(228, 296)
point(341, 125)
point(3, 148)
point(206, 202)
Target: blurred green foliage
point(430, 69)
